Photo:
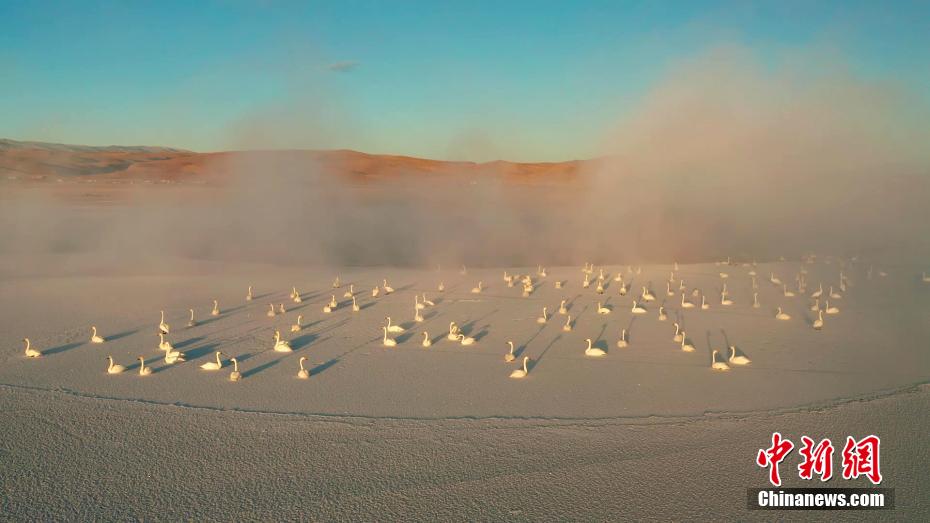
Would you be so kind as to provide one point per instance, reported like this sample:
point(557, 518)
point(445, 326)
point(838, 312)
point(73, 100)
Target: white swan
point(622, 342)
point(562, 309)
point(601, 309)
point(568, 324)
point(192, 322)
point(716, 364)
point(216, 309)
point(426, 341)
point(637, 308)
point(786, 292)
point(818, 323)
point(427, 302)
point(924, 278)
point(355, 307)
point(114, 368)
point(281, 345)
point(686, 344)
point(593, 351)
point(388, 342)
point(725, 298)
point(281, 309)
point(296, 298)
point(509, 357)
point(164, 344)
point(387, 288)
point(302, 373)
point(835, 295)
point(816, 305)
point(586, 283)
point(779, 315)
point(173, 356)
point(162, 326)
point(678, 334)
point(453, 332)
point(622, 290)
point(521, 373)
point(297, 326)
point(818, 293)
point(94, 338)
point(738, 360)
point(774, 279)
point(416, 303)
point(662, 315)
point(466, 340)
point(544, 318)
point(647, 295)
point(393, 328)
point(375, 292)
point(441, 287)
point(685, 304)
point(600, 287)
point(704, 304)
point(831, 309)
point(668, 289)
point(331, 306)
point(478, 289)
point(248, 296)
point(558, 284)
point(30, 352)
point(417, 317)
point(234, 375)
point(271, 313)
point(349, 293)
point(143, 370)
point(755, 300)
point(213, 365)
point(336, 283)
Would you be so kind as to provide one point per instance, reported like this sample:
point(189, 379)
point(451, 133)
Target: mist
point(722, 157)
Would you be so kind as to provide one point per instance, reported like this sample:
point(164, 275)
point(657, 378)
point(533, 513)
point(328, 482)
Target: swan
point(297, 298)
point(114, 368)
point(786, 292)
point(216, 309)
point(600, 287)
point(686, 344)
point(725, 299)
point(453, 332)
point(336, 283)
point(213, 365)
point(816, 305)
point(521, 373)
point(441, 287)
point(281, 345)
point(558, 284)
point(835, 295)
point(331, 306)
point(94, 338)
point(543, 273)
point(586, 283)
point(695, 292)
point(662, 315)
point(297, 326)
point(924, 278)
point(248, 296)
point(271, 313)
point(427, 302)
point(602, 309)
point(755, 284)
point(416, 303)
point(387, 288)
point(622, 290)
point(349, 293)
point(704, 304)
point(388, 342)
point(755, 300)
point(738, 360)
point(302, 373)
point(375, 292)
point(30, 352)
point(544, 318)
point(685, 304)
point(477, 290)
point(622, 342)
point(143, 370)
point(831, 309)
point(393, 328)
point(527, 290)
point(668, 289)
point(509, 357)
point(507, 278)
point(562, 309)
point(417, 317)
point(678, 334)
point(648, 295)
point(774, 279)
point(234, 375)
point(355, 307)
point(818, 323)
point(637, 308)
point(464, 271)
point(192, 322)
point(162, 326)
point(426, 341)
point(818, 293)
point(164, 344)
point(281, 309)
point(724, 275)
point(681, 285)
point(782, 315)
point(717, 365)
point(593, 351)
point(466, 340)
point(173, 356)
point(568, 324)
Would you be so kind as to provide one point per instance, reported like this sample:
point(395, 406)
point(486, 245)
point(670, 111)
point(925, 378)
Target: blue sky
point(455, 80)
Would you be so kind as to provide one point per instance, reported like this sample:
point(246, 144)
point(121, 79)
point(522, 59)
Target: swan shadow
point(188, 342)
point(323, 366)
point(481, 333)
point(404, 336)
point(201, 351)
point(367, 305)
point(121, 335)
point(255, 370)
point(534, 362)
point(430, 315)
point(208, 321)
point(404, 288)
point(62, 348)
point(304, 340)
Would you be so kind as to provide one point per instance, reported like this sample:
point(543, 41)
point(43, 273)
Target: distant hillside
point(47, 161)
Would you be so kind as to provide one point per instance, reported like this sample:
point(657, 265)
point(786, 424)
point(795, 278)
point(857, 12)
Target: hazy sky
point(468, 80)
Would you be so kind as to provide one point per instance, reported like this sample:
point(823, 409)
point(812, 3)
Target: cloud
point(342, 67)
